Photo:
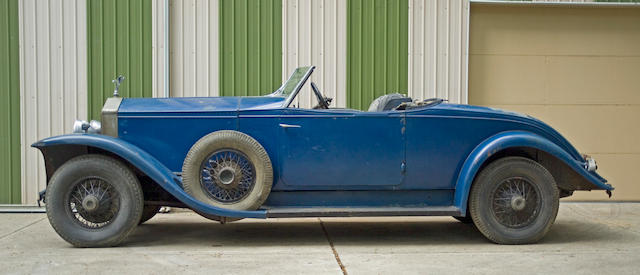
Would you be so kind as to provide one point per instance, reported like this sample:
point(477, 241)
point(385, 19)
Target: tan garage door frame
point(617, 154)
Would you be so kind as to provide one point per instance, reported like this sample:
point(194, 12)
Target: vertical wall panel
point(158, 47)
point(53, 79)
point(194, 48)
point(377, 45)
point(314, 33)
point(438, 32)
point(250, 46)
point(10, 104)
point(119, 35)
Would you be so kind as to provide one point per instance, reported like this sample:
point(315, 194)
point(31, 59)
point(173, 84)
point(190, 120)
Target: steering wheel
point(323, 102)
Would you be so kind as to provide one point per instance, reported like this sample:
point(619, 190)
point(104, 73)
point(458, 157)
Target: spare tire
point(228, 169)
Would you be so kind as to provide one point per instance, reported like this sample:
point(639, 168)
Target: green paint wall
point(119, 42)
point(377, 50)
point(10, 104)
point(250, 47)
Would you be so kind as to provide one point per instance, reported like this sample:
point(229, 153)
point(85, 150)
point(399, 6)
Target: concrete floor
point(591, 238)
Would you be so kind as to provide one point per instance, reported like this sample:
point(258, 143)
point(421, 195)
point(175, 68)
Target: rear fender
point(144, 162)
point(511, 139)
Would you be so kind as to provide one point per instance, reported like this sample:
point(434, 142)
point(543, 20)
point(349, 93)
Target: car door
point(341, 149)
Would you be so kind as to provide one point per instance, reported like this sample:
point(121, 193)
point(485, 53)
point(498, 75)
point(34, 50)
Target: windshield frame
point(297, 88)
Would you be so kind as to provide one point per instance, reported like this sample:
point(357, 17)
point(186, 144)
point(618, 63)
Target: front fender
point(511, 139)
point(148, 165)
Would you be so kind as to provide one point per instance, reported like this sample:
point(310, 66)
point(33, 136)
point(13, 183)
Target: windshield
point(290, 88)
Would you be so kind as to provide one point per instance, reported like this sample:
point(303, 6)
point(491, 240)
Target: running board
point(293, 212)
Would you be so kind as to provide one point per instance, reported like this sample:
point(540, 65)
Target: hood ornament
point(117, 82)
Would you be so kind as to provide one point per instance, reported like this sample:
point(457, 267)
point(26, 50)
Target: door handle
point(289, 125)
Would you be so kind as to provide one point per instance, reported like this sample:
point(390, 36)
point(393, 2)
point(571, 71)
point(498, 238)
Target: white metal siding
point(158, 65)
point(193, 48)
point(438, 33)
point(314, 33)
point(53, 79)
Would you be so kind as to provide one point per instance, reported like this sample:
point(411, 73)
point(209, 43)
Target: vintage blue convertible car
point(229, 158)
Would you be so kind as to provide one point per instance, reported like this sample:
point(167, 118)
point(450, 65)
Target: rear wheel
point(94, 201)
point(514, 200)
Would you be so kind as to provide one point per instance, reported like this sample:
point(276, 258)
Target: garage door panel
point(505, 79)
point(618, 170)
point(599, 129)
point(554, 30)
point(575, 68)
point(593, 80)
point(592, 129)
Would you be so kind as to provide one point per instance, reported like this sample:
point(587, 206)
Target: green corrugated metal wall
point(119, 42)
point(377, 50)
point(10, 103)
point(250, 47)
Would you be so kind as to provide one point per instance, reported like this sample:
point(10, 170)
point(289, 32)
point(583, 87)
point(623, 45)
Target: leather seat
point(388, 102)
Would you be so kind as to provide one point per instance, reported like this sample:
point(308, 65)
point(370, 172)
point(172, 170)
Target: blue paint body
point(337, 157)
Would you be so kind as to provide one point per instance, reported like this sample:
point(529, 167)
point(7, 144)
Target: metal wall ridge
point(53, 79)
point(314, 33)
point(438, 49)
point(193, 47)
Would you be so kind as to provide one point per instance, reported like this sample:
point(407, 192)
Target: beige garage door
point(576, 68)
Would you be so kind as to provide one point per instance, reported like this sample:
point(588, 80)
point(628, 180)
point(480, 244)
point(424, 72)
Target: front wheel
point(94, 201)
point(514, 200)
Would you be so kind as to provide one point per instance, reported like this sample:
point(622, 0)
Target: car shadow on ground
point(341, 232)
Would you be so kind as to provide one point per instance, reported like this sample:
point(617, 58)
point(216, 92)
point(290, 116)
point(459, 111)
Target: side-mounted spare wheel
point(514, 200)
point(94, 201)
point(228, 169)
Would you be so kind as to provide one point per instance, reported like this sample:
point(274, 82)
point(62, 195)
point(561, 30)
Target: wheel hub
point(515, 202)
point(90, 203)
point(518, 203)
point(93, 202)
point(226, 175)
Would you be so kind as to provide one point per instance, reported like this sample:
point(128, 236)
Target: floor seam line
point(333, 249)
point(21, 228)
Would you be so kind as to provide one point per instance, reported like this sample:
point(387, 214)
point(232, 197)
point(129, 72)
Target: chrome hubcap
point(226, 175)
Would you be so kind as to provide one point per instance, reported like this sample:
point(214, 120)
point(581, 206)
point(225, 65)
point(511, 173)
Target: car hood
point(198, 104)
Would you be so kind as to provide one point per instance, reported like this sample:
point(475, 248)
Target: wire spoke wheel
point(515, 202)
point(227, 169)
point(93, 202)
point(227, 176)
